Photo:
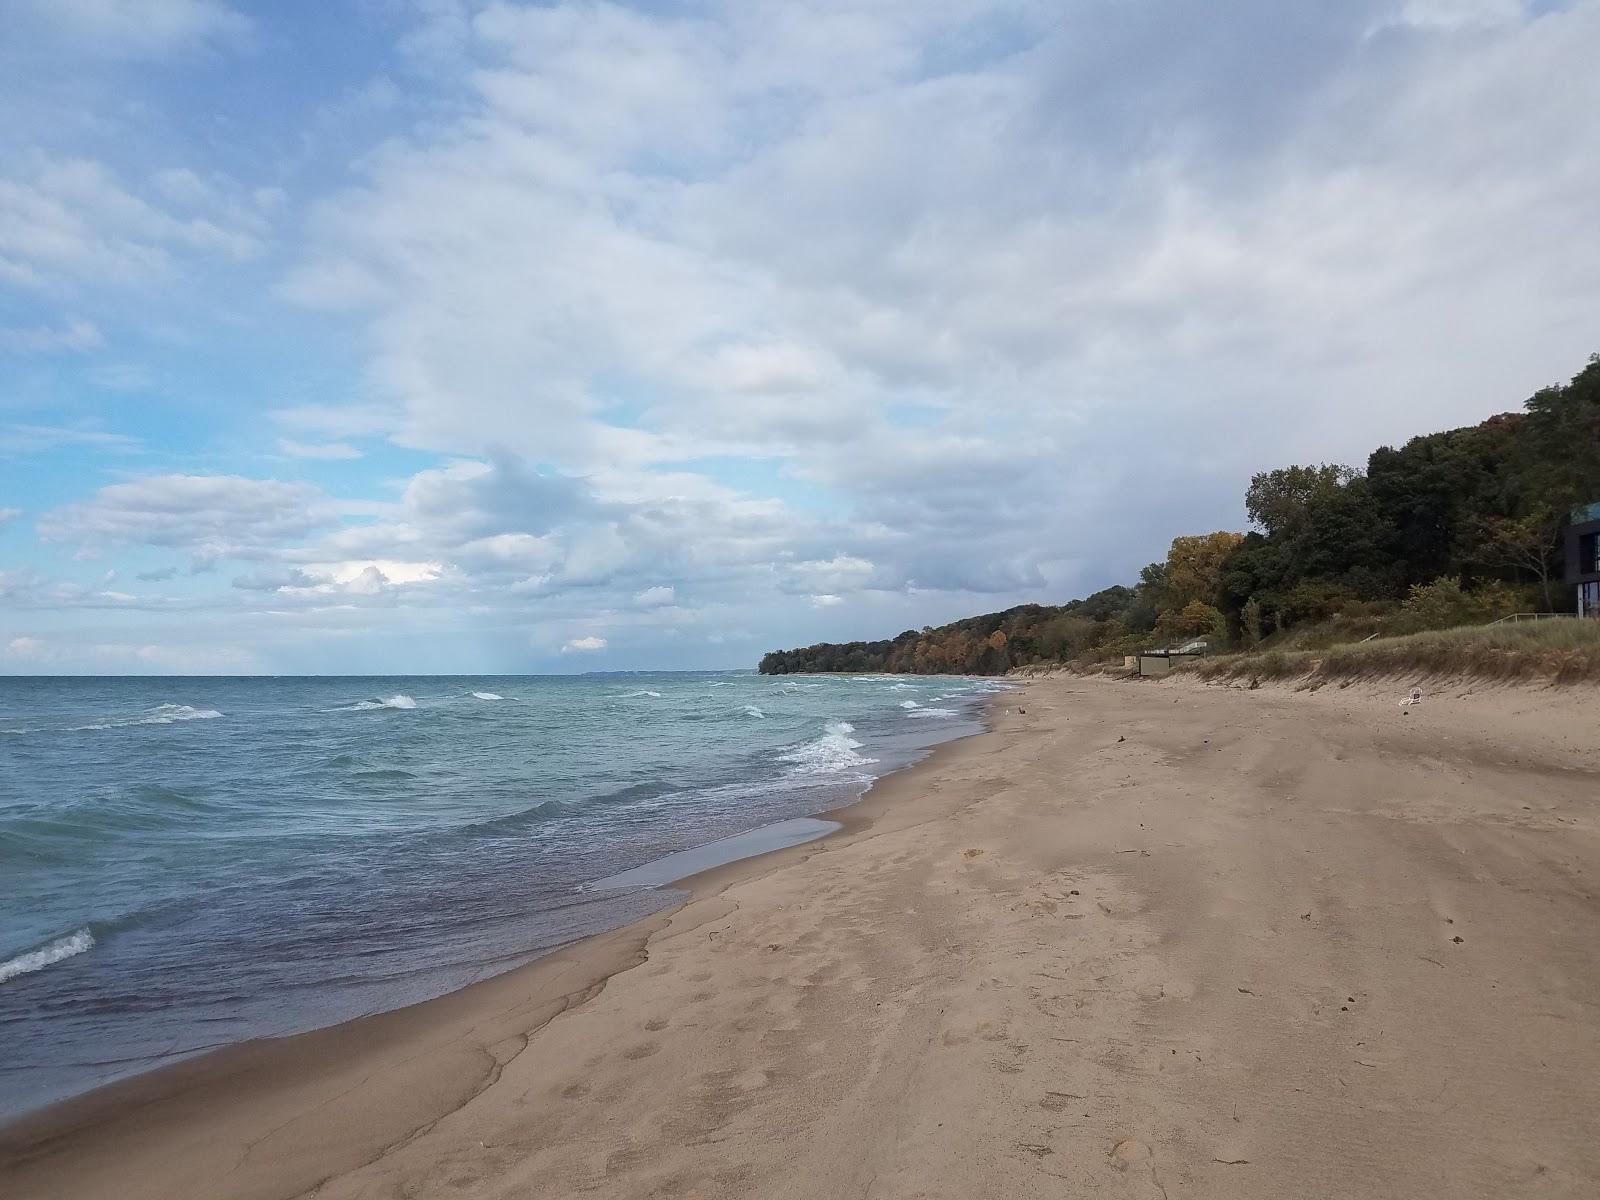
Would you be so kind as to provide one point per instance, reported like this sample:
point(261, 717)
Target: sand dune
point(1144, 940)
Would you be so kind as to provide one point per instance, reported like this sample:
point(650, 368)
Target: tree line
point(1450, 527)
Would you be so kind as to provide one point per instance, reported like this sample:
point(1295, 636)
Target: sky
point(394, 336)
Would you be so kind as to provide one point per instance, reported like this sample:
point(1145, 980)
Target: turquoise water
point(185, 863)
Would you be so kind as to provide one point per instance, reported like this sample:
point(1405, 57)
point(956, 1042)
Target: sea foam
point(37, 960)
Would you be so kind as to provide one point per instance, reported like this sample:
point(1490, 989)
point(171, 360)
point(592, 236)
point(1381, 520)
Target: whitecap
point(488, 696)
point(642, 692)
point(750, 710)
point(161, 714)
point(398, 700)
point(909, 704)
point(932, 712)
point(37, 960)
point(165, 714)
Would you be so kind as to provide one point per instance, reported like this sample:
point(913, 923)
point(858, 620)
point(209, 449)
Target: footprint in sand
point(641, 1051)
point(1133, 1156)
point(1056, 1101)
point(628, 1158)
point(1129, 1152)
point(656, 1025)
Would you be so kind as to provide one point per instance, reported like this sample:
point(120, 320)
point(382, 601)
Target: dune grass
point(1557, 652)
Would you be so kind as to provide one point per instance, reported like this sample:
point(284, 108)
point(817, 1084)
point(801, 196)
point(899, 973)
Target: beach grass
point(1554, 651)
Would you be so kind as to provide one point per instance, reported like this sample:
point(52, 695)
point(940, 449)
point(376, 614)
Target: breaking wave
point(750, 710)
point(642, 692)
point(487, 696)
point(161, 714)
point(931, 712)
point(398, 700)
point(54, 952)
point(833, 752)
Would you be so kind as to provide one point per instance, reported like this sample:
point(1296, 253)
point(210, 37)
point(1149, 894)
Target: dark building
point(1583, 558)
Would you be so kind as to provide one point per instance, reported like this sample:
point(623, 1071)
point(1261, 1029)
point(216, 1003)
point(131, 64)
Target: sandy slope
point(1269, 945)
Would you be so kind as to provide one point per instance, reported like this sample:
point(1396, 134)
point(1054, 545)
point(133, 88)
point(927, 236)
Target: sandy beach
point(1142, 939)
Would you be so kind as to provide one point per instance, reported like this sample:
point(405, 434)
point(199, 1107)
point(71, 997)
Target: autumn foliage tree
point(1194, 568)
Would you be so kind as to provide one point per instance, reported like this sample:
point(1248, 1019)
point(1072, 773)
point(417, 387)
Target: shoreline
point(185, 1092)
point(1139, 940)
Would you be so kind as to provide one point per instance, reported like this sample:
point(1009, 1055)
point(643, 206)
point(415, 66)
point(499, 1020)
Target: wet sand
point(1145, 939)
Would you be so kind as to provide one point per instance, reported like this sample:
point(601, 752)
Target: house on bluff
point(1583, 558)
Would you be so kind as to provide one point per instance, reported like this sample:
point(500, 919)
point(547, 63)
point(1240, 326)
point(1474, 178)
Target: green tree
point(1251, 620)
point(1428, 494)
point(1562, 441)
point(1279, 500)
point(1067, 636)
point(1525, 544)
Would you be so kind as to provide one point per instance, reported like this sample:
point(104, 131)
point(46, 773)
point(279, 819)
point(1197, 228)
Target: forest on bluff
point(1450, 528)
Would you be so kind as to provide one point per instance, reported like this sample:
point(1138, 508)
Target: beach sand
point(1146, 939)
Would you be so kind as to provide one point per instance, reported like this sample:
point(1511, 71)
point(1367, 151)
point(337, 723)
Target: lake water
point(186, 863)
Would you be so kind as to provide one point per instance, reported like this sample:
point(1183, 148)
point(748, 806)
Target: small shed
point(1155, 663)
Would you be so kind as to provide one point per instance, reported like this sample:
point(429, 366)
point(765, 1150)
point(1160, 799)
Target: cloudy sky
point(471, 335)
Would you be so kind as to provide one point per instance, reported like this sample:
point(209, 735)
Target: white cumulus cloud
point(654, 597)
point(209, 515)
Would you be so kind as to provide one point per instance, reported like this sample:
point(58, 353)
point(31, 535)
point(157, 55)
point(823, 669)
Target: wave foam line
point(37, 960)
